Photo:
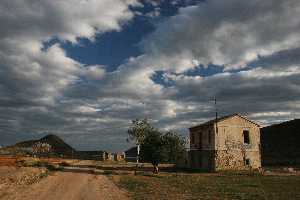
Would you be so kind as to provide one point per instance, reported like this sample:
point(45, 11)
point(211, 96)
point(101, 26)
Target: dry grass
point(12, 177)
point(210, 186)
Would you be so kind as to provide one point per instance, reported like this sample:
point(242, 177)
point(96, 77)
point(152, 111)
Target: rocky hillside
point(54, 144)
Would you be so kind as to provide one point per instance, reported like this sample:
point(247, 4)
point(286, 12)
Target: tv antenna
point(216, 109)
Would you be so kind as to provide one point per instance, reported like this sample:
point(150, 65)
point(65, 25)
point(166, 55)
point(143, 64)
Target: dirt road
point(69, 186)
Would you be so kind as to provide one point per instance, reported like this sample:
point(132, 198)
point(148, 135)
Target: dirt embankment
point(13, 178)
point(8, 160)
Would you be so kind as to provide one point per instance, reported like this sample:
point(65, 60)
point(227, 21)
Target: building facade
point(280, 144)
point(230, 142)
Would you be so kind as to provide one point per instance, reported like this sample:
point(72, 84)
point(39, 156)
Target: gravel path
point(70, 186)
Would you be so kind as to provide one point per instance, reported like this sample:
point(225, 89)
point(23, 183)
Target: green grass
point(211, 186)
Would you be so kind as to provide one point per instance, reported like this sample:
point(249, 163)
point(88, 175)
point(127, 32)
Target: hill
point(280, 143)
point(58, 146)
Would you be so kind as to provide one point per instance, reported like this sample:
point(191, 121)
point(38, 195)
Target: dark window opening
point(200, 140)
point(209, 137)
point(246, 137)
point(192, 138)
point(247, 162)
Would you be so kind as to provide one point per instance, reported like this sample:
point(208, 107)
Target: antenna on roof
point(216, 115)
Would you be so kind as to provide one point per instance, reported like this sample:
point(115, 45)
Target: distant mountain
point(58, 146)
point(280, 143)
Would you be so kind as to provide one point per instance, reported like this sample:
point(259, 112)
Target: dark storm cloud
point(288, 57)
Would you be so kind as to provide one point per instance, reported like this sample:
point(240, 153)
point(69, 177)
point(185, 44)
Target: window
point(200, 140)
point(192, 138)
point(246, 137)
point(247, 162)
point(209, 136)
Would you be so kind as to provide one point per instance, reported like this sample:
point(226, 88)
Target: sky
point(84, 69)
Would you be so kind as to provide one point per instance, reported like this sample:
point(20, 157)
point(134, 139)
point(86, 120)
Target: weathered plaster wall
point(231, 151)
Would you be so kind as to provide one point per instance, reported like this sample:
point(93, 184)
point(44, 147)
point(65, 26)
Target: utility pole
point(138, 153)
point(72, 158)
point(137, 158)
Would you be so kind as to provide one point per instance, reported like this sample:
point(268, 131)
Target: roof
point(223, 118)
point(131, 151)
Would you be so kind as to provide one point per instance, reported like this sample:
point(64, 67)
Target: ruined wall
point(229, 159)
point(231, 152)
point(235, 159)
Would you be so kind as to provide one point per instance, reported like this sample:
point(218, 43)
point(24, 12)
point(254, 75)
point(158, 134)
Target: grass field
point(276, 184)
point(210, 186)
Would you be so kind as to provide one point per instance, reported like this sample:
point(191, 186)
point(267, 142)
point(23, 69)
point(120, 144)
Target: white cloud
point(230, 33)
point(85, 109)
point(25, 25)
point(95, 72)
point(214, 32)
point(270, 114)
point(34, 76)
point(68, 19)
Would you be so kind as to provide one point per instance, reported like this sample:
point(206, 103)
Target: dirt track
point(70, 186)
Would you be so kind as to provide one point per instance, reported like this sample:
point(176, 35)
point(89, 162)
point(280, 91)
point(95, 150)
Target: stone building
point(231, 142)
point(118, 157)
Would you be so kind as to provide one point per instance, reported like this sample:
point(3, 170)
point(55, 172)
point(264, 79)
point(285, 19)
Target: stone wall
point(229, 159)
point(231, 150)
point(235, 159)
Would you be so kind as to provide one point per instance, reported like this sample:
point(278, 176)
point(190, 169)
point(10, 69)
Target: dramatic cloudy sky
point(83, 69)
